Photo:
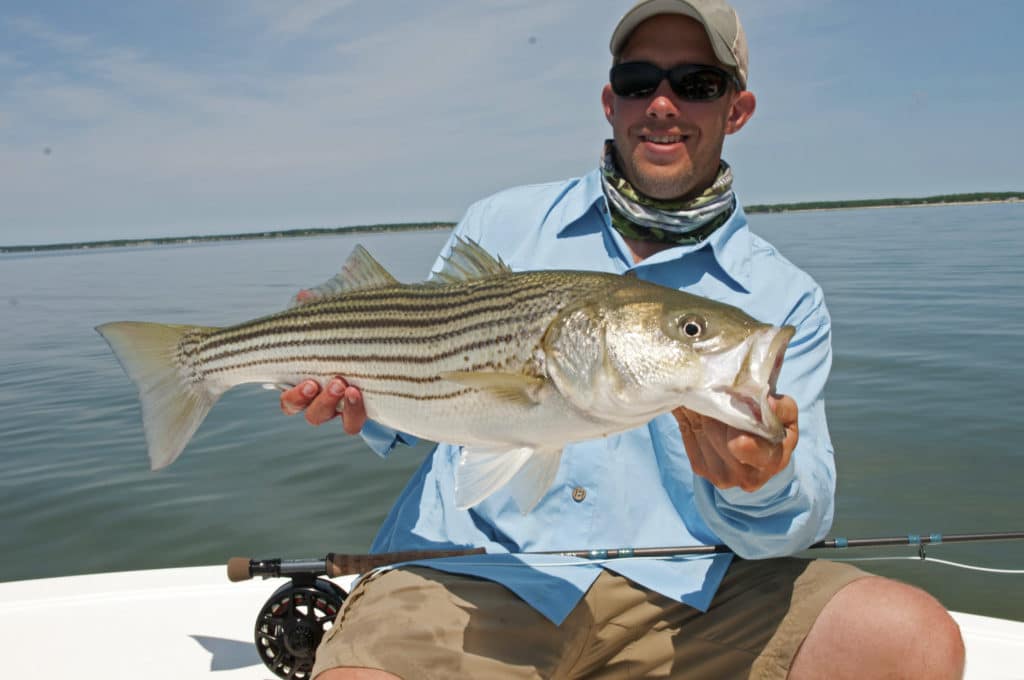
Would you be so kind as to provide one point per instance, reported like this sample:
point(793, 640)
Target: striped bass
point(511, 366)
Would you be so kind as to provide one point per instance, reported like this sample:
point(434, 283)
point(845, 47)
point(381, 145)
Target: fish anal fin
point(515, 388)
point(360, 272)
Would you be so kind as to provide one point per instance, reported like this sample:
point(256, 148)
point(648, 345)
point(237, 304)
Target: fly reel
point(292, 623)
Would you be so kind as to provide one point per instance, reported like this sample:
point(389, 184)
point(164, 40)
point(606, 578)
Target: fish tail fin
point(160, 360)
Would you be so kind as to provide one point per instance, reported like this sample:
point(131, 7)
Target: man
point(661, 207)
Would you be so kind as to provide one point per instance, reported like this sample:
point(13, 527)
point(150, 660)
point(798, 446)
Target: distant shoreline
point(762, 210)
point(248, 236)
point(944, 200)
point(986, 198)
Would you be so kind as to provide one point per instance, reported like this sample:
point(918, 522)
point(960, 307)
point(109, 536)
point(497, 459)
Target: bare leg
point(879, 628)
point(356, 674)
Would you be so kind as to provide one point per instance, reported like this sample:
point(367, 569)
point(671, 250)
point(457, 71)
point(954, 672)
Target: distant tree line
point(178, 240)
point(886, 202)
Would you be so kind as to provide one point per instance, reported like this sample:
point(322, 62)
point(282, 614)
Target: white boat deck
point(193, 623)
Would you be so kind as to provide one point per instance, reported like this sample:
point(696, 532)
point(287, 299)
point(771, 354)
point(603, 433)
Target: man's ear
point(608, 102)
point(741, 111)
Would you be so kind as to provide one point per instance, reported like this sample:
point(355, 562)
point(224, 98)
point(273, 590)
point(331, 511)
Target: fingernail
point(352, 399)
point(336, 388)
point(309, 389)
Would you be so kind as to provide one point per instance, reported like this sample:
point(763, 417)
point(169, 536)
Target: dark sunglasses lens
point(635, 79)
point(701, 85)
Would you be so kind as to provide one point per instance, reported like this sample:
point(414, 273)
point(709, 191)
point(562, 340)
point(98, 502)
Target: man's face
point(669, 148)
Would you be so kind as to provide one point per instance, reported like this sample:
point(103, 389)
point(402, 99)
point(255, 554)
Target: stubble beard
point(680, 182)
point(663, 187)
point(671, 184)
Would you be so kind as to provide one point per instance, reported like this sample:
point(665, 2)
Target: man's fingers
point(299, 397)
point(325, 405)
point(337, 399)
point(693, 448)
point(789, 413)
point(353, 415)
point(723, 455)
point(728, 457)
point(730, 470)
point(785, 410)
point(700, 438)
point(749, 449)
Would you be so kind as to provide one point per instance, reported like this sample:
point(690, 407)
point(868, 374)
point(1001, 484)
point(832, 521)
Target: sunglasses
point(690, 82)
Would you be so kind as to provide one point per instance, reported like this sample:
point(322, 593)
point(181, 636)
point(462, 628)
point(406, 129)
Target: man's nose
point(663, 103)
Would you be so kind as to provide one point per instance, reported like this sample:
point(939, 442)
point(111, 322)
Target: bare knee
point(876, 627)
point(356, 674)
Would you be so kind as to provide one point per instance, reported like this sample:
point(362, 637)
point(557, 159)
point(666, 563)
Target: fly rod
point(339, 564)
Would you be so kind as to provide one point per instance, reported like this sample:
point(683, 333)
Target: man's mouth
point(664, 139)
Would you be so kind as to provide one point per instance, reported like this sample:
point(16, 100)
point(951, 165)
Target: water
point(928, 308)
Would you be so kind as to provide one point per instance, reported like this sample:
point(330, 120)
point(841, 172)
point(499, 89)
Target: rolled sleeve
point(382, 440)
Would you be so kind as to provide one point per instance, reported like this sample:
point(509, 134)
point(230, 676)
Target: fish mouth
point(756, 381)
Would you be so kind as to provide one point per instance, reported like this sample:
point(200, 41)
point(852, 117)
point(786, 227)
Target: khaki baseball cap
point(719, 20)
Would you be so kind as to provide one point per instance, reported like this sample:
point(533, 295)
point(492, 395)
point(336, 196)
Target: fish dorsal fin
point(467, 261)
point(359, 272)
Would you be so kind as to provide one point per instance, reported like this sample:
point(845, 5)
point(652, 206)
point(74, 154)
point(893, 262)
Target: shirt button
point(578, 494)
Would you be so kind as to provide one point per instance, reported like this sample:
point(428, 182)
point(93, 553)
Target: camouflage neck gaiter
point(679, 222)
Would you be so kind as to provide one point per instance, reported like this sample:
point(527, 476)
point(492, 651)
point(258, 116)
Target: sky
point(139, 118)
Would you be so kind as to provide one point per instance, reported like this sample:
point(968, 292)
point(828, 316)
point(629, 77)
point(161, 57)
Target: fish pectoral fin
point(517, 388)
point(481, 471)
point(534, 478)
point(360, 272)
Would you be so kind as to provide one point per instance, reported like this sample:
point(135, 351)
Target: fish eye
point(692, 326)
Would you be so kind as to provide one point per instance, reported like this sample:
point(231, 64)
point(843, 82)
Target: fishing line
point(959, 565)
point(548, 565)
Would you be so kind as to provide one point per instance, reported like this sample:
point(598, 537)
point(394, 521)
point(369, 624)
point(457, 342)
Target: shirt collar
point(730, 244)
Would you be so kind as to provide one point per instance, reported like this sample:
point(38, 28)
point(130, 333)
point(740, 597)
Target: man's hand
point(321, 406)
point(728, 457)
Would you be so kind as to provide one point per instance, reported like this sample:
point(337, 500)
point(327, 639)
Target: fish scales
point(356, 322)
point(367, 334)
point(424, 303)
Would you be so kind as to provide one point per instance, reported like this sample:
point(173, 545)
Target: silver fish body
point(512, 366)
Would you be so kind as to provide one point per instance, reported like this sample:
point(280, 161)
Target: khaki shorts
point(421, 623)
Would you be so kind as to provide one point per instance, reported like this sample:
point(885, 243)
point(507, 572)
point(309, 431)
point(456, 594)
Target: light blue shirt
point(639, 488)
